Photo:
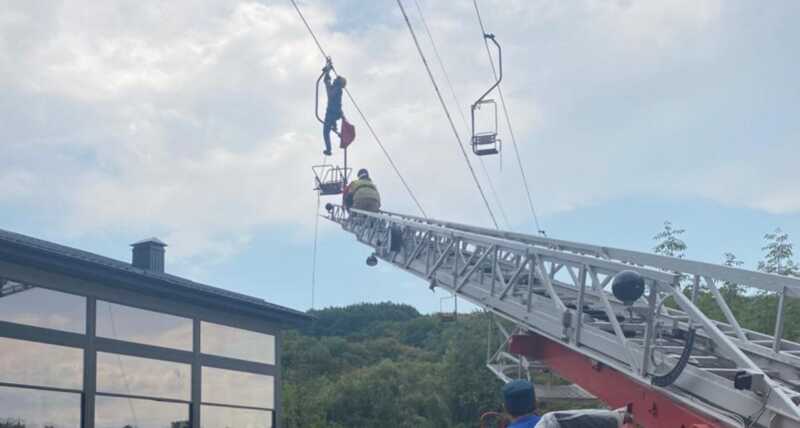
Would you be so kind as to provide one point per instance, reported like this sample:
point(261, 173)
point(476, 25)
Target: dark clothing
point(333, 112)
point(328, 126)
point(334, 97)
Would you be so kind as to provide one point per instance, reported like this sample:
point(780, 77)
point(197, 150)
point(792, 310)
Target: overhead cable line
point(508, 123)
point(460, 110)
point(447, 113)
point(361, 113)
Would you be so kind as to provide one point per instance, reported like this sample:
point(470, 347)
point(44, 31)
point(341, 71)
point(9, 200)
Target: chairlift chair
point(485, 142)
point(330, 179)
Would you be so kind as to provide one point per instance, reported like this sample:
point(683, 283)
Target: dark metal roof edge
point(80, 263)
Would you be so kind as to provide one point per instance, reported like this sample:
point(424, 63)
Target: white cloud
point(193, 119)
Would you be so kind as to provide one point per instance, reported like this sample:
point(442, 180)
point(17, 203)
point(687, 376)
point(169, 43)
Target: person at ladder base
point(362, 194)
point(520, 402)
point(334, 110)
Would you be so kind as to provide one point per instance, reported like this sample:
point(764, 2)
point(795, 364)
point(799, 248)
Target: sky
point(193, 121)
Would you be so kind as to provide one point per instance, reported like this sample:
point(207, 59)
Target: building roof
point(50, 256)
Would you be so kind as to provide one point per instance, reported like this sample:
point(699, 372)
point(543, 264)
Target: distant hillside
point(385, 365)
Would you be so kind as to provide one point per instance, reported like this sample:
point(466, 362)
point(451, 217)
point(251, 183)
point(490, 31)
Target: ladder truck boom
point(656, 350)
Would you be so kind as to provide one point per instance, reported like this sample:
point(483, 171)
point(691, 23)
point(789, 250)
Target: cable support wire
point(361, 114)
point(447, 113)
point(449, 82)
point(508, 123)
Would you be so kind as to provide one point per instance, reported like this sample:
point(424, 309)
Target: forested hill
point(385, 365)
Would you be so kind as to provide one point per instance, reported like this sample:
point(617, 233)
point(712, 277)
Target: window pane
point(119, 412)
point(237, 343)
point(40, 364)
point(142, 326)
point(238, 388)
point(122, 374)
point(226, 417)
point(41, 307)
point(29, 408)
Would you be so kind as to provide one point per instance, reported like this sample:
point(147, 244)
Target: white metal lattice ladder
point(708, 372)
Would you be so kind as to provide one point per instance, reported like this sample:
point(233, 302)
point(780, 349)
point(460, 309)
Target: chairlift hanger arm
point(500, 68)
point(316, 99)
point(327, 77)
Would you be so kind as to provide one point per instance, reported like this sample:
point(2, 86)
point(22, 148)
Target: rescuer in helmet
point(334, 110)
point(362, 194)
point(520, 402)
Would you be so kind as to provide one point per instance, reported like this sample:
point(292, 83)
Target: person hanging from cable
point(334, 110)
point(362, 194)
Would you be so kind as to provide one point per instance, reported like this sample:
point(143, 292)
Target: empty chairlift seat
point(484, 114)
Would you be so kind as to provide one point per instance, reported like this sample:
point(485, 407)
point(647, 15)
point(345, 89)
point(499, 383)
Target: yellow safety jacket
point(363, 194)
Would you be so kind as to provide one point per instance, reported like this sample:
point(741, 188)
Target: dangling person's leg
point(327, 127)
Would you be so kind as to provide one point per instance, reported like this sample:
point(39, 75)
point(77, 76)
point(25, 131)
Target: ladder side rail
point(761, 280)
point(611, 251)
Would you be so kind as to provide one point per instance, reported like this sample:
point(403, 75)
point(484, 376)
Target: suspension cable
point(508, 123)
point(460, 110)
point(363, 116)
point(447, 113)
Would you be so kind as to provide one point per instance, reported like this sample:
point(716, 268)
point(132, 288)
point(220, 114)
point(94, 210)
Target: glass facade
point(237, 388)
point(119, 412)
point(142, 326)
point(40, 364)
point(33, 408)
point(123, 374)
point(237, 343)
point(41, 307)
point(228, 417)
point(142, 378)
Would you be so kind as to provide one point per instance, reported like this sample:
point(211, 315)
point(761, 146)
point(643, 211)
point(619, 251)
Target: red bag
point(348, 134)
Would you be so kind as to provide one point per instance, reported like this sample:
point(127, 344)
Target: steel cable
point(508, 123)
point(447, 113)
point(363, 116)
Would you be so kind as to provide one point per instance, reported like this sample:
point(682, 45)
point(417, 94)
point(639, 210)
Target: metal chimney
point(149, 254)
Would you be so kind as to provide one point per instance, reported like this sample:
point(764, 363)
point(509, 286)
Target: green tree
point(669, 242)
point(471, 388)
point(731, 290)
point(779, 253)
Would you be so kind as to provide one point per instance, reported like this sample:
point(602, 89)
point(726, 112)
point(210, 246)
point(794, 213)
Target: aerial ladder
point(623, 325)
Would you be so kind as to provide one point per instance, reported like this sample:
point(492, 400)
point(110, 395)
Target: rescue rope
point(447, 113)
point(508, 123)
point(362, 115)
point(449, 82)
point(314, 256)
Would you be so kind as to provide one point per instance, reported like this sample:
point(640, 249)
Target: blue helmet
point(519, 396)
